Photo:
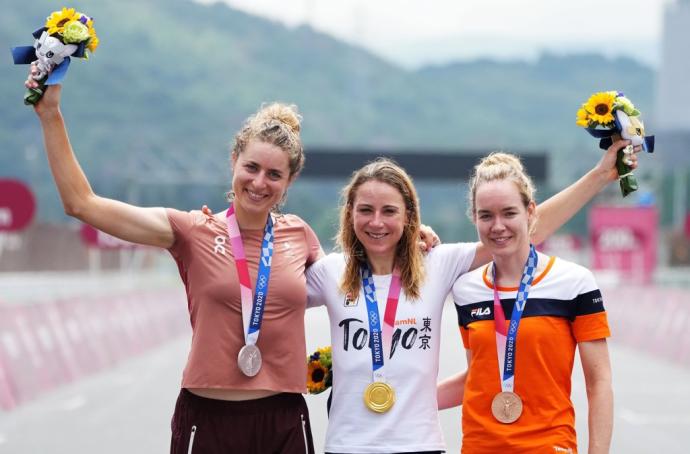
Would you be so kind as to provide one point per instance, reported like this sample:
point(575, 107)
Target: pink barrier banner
point(65, 348)
point(625, 239)
point(652, 319)
point(9, 353)
point(23, 359)
point(45, 345)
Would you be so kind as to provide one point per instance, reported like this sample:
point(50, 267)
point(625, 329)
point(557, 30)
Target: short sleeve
point(314, 251)
point(452, 259)
point(316, 285)
point(590, 322)
point(467, 251)
point(181, 223)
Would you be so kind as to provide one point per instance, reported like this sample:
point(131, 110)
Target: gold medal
point(379, 397)
point(506, 407)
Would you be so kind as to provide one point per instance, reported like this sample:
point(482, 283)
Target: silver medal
point(249, 360)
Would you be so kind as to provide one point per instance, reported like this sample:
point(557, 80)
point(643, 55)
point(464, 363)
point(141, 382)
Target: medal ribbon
point(252, 305)
point(379, 339)
point(506, 338)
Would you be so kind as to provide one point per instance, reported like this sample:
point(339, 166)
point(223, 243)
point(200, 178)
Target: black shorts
point(276, 424)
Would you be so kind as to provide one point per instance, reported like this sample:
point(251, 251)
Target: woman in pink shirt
point(243, 383)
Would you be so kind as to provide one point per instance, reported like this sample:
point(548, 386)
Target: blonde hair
point(279, 125)
point(408, 254)
point(500, 166)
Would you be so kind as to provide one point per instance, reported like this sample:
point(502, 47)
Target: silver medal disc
point(249, 360)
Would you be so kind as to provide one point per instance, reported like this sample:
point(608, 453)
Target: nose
point(497, 225)
point(259, 180)
point(376, 220)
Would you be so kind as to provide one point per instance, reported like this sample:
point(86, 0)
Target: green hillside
point(177, 75)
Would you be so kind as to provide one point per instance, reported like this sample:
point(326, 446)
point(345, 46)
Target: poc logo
point(479, 312)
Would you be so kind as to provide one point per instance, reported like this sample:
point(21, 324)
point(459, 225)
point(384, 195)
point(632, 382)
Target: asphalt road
point(127, 409)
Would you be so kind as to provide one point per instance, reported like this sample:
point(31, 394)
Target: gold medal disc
point(379, 397)
point(506, 407)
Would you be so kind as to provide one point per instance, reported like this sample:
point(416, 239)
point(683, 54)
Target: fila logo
point(479, 312)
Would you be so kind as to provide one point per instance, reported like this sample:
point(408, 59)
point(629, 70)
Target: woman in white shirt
point(386, 344)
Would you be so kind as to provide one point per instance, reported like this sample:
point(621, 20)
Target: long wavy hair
point(408, 255)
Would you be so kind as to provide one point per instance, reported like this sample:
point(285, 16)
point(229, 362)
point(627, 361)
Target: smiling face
point(501, 217)
point(379, 218)
point(260, 177)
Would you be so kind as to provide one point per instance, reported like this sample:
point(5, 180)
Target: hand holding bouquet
point(319, 375)
point(65, 33)
point(610, 116)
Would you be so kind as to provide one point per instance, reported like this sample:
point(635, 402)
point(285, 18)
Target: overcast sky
point(414, 32)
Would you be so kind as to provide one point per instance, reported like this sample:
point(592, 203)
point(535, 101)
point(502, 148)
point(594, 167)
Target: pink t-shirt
point(207, 268)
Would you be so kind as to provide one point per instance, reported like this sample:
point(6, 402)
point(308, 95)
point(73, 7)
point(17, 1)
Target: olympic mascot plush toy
point(66, 34)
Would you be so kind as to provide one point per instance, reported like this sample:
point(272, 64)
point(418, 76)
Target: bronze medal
point(506, 407)
point(379, 397)
point(249, 360)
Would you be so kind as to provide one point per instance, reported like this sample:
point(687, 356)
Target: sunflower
point(93, 39)
point(582, 117)
point(600, 107)
point(316, 377)
point(57, 20)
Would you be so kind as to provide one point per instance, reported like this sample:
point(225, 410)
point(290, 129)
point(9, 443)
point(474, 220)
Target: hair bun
point(500, 158)
point(284, 113)
point(500, 166)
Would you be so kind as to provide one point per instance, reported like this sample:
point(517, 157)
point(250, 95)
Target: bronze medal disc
point(249, 360)
point(506, 407)
point(379, 397)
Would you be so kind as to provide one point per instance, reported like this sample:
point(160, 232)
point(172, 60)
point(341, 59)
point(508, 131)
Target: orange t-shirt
point(564, 307)
point(207, 268)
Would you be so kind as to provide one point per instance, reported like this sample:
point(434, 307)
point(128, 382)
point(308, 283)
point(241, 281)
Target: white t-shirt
point(412, 424)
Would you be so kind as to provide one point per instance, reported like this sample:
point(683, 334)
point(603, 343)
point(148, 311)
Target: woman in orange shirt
point(516, 391)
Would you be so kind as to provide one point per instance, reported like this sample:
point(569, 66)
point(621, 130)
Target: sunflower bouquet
point(65, 33)
point(610, 116)
point(319, 375)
